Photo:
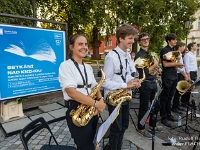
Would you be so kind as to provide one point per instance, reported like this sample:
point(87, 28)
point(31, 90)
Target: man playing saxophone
point(148, 88)
point(181, 76)
point(118, 76)
point(77, 80)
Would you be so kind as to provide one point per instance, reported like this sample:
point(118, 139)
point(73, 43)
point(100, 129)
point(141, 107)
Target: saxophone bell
point(83, 114)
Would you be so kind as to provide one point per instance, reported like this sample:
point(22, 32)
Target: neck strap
point(121, 67)
point(85, 82)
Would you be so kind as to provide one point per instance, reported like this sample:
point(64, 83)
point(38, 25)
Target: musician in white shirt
point(181, 76)
point(190, 63)
point(118, 76)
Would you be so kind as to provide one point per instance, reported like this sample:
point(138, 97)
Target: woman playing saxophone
point(77, 80)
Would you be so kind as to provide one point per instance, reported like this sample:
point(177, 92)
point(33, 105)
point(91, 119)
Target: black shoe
point(172, 118)
point(184, 105)
point(177, 111)
point(145, 134)
point(189, 104)
point(180, 108)
point(166, 123)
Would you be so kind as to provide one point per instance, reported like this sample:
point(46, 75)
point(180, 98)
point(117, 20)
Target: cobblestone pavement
point(61, 132)
point(185, 139)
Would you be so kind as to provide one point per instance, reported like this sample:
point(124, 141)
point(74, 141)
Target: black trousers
point(169, 87)
point(119, 126)
point(148, 90)
point(83, 136)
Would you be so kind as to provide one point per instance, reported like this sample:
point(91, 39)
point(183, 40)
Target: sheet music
point(104, 127)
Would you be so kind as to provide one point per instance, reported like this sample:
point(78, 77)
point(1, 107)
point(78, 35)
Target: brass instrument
point(146, 61)
point(83, 114)
point(115, 97)
point(123, 94)
point(174, 56)
point(183, 85)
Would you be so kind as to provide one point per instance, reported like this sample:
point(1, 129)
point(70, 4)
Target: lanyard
point(85, 82)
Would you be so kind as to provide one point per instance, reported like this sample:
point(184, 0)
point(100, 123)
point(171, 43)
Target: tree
point(156, 17)
point(16, 7)
point(161, 17)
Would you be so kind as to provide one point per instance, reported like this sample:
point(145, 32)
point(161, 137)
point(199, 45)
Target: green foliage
point(16, 7)
point(160, 17)
point(18, 100)
point(156, 17)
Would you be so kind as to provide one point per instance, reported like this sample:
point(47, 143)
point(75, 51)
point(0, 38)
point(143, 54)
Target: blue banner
point(29, 60)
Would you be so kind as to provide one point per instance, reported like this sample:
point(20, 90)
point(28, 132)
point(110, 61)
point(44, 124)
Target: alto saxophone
point(121, 94)
point(83, 114)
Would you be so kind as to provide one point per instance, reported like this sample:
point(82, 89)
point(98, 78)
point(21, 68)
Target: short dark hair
point(179, 44)
point(132, 52)
point(141, 35)
point(171, 36)
point(125, 30)
point(190, 45)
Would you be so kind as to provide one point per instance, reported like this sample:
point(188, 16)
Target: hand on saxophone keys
point(100, 106)
point(134, 83)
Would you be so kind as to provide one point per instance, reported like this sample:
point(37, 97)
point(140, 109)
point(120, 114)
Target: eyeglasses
point(143, 40)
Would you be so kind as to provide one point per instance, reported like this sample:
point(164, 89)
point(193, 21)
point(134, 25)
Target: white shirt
point(69, 76)
point(111, 67)
point(190, 62)
point(179, 70)
point(132, 66)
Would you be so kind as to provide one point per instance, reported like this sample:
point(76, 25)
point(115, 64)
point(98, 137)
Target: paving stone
point(4, 148)
point(47, 117)
point(15, 125)
point(50, 107)
point(58, 113)
point(11, 119)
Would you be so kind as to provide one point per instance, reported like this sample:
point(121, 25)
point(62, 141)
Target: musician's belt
point(154, 80)
point(84, 86)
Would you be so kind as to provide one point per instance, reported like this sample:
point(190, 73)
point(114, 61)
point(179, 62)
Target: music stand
point(193, 109)
point(197, 141)
point(151, 112)
point(186, 123)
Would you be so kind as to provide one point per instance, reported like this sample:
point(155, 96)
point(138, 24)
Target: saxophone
point(121, 94)
point(83, 114)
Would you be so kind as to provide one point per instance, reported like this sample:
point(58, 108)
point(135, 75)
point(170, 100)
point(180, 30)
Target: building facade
point(194, 35)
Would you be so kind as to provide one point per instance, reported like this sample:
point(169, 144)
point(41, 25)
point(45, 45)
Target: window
point(109, 43)
point(198, 50)
point(199, 24)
